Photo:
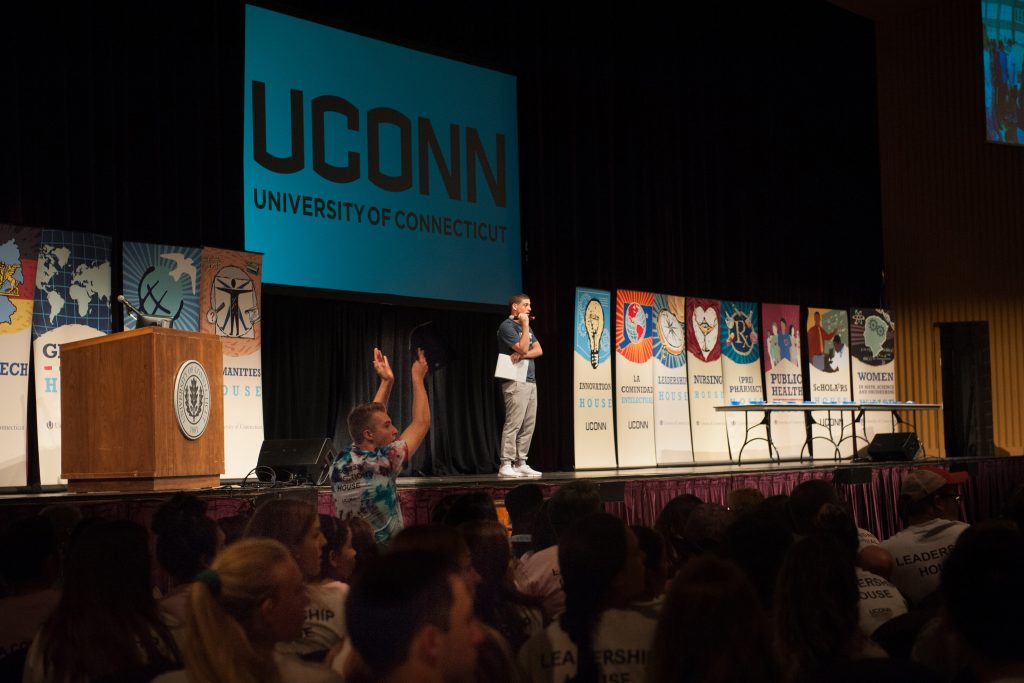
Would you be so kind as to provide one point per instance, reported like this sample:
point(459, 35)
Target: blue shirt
point(509, 333)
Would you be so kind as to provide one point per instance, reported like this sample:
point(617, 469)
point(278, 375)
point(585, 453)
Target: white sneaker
point(506, 470)
point(525, 470)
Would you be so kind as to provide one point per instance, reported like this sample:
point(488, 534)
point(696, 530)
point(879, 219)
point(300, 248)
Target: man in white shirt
point(930, 508)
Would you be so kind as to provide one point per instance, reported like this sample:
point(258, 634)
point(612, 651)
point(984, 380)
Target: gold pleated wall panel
point(952, 210)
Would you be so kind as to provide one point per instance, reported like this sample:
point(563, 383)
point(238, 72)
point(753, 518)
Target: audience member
point(598, 637)
point(757, 542)
point(816, 611)
point(539, 573)
point(498, 602)
point(338, 558)
point(711, 629)
point(705, 529)
point(412, 620)
point(442, 540)
point(233, 526)
point(29, 565)
point(296, 525)
point(984, 599)
point(543, 536)
point(107, 620)
point(744, 499)
point(186, 543)
point(523, 503)
point(252, 598)
point(364, 542)
point(470, 507)
point(929, 507)
point(652, 545)
point(671, 523)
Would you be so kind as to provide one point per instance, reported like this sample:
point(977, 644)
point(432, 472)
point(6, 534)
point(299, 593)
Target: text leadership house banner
point(783, 380)
point(671, 393)
point(828, 365)
point(704, 361)
point(72, 302)
point(741, 375)
point(19, 248)
point(593, 413)
point(873, 351)
point(229, 307)
point(162, 280)
point(634, 378)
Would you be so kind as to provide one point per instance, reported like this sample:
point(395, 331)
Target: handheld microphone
point(516, 317)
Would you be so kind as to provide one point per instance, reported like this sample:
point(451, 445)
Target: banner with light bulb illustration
point(873, 353)
point(593, 412)
point(704, 361)
point(634, 378)
point(671, 392)
point(783, 380)
point(741, 375)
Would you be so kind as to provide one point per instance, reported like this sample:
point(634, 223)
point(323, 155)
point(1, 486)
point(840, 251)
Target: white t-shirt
point(622, 644)
point(293, 670)
point(879, 601)
point(538, 576)
point(919, 552)
point(325, 620)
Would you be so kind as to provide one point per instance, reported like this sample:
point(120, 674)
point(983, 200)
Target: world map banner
point(19, 248)
point(593, 405)
point(229, 307)
point(671, 385)
point(634, 377)
point(72, 302)
point(162, 280)
point(828, 366)
point(741, 375)
point(783, 380)
point(873, 352)
point(704, 363)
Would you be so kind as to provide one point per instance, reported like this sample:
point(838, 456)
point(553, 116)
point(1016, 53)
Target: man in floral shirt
point(363, 476)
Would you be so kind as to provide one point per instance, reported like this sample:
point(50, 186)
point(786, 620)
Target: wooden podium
point(119, 429)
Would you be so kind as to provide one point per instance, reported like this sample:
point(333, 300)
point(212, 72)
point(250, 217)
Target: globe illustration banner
point(162, 280)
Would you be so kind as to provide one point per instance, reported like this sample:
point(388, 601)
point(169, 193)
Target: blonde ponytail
point(242, 577)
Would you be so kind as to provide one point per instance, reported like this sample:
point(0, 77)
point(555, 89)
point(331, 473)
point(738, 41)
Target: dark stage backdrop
point(729, 153)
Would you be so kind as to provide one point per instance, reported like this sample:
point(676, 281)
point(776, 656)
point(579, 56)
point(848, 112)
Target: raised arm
point(522, 346)
point(387, 377)
point(417, 430)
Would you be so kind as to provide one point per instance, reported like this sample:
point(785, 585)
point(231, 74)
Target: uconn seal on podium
point(192, 398)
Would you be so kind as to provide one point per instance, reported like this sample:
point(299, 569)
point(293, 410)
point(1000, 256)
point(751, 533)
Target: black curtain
point(729, 152)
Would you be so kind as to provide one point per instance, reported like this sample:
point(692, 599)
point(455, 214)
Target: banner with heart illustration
point(783, 379)
point(704, 363)
point(634, 378)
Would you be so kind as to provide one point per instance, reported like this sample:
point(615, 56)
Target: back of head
point(671, 523)
point(706, 528)
point(816, 604)
point(439, 539)
point(805, 501)
point(591, 554)
point(470, 507)
point(711, 628)
point(572, 502)
point(983, 590)
point(285, 520)
point(186, 539)
point(744, 499)
point(523, 502)
point(490, 550)
point(391, 600)
point(223, 601)
point(29, 551)
point(106, 608)
point(757, 542)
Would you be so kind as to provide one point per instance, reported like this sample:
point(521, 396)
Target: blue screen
point(374, 168)
point(1003, 61)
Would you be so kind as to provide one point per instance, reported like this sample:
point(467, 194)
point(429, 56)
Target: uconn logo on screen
point(465, 149)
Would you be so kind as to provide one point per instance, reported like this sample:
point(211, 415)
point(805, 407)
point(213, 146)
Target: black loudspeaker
point(894, 446)
point(295, 461)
